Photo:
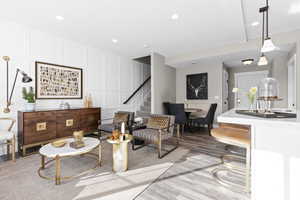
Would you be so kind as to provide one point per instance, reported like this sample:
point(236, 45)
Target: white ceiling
point(202, 24)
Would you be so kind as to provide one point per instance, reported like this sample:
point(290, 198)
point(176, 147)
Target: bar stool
point(236, 135)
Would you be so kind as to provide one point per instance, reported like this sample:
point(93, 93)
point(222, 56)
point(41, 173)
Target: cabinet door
point(67, 122)
point(39, 127)
point(89, 119)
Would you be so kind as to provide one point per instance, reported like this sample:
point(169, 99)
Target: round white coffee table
point(120, 154)
point(57, 153)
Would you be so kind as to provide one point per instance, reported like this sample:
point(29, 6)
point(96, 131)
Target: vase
point(251, 107)
point(30, 106)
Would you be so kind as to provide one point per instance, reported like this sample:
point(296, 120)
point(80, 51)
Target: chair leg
point(159, 148)
point(8, 146)
point(13, 149)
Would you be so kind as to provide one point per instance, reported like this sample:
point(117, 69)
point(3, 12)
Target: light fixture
point(263, 60)
point(255, 23)
point(248, 61)
point(25, 79)
point(268, 46)
point(267, 42)
point(175, 16)
point(146, 46)
point(114, 40)
point(58, 17)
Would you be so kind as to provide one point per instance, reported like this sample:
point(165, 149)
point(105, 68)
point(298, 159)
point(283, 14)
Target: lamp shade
point(26, 78)
point(263, 60)
point(268, 46)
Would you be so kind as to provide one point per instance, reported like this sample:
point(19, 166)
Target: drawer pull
point(69, 122)
point(41, 126)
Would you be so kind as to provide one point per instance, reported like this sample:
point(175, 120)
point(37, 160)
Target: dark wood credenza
point(43, 126)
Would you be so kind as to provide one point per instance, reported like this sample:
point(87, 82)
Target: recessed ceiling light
point(59, 17)
point(248, 61)
point(254, 23)
point(175, 16)
point(114, 40)
point(146, 46)
point(194, 63)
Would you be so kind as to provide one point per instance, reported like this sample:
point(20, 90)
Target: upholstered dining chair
point(207, 120)
point(177, 109)
point(9, 138)
point(160, 129)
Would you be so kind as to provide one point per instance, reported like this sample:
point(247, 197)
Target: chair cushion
point(120, 117)
point(6, 135)
point(150, 135)
point(106, 128)
point(238, 137)
point(156, 122)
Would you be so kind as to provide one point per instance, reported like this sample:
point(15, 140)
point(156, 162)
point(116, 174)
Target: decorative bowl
point(59, 143)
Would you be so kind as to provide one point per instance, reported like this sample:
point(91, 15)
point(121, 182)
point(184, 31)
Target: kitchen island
point(275, 155)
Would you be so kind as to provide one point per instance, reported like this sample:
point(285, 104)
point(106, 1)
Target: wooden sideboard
point(41, 127)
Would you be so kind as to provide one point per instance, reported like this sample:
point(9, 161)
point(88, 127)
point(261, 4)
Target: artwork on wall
point(57, 81)
point(196, 86)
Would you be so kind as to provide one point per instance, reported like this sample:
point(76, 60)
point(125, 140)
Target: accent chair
point(159, 129)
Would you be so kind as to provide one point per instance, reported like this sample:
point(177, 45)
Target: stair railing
point(137, 90)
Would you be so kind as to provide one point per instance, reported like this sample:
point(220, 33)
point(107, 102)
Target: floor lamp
point(25, 79)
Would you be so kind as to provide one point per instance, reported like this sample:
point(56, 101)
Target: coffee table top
point(51, 151)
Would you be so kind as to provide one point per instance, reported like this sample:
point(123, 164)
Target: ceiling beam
point(244, 20)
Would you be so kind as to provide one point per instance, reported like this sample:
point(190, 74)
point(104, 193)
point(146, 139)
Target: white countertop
point(232, 117)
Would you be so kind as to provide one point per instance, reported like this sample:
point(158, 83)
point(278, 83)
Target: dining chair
point(207, 120)
point(9, 138)
point(180, 116)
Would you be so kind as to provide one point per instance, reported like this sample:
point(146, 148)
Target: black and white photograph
point(196, 86)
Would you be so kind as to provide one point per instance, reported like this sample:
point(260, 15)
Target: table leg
point(100, 154)
point(58, 170)
point(42, 162)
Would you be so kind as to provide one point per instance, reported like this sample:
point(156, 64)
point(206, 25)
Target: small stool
point(236, 135)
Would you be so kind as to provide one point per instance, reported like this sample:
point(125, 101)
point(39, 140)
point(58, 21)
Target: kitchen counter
point(275, 155)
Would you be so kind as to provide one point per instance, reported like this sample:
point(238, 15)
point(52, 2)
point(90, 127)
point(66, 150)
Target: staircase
point(145, 109)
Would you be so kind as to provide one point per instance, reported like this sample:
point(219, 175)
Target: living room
point(149, 100)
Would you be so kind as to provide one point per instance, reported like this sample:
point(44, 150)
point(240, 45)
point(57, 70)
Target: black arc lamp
point(25, 79)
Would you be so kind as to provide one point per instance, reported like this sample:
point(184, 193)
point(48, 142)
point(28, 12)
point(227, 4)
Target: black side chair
point(180, 116)
point(208, 119)
point(166, 106)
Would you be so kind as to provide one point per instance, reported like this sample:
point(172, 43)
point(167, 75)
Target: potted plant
point(29, 96)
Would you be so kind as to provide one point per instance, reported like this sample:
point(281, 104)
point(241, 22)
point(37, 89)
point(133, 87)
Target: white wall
point(163, 81)
point(214, 70)
point(109, 78)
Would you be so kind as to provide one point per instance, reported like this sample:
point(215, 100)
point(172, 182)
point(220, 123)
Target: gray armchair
point(160, 128)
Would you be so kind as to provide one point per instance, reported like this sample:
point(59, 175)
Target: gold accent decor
point(41, 126)
point(69, 122)
point(59, 143)
point(6, 58)
point(78, 137)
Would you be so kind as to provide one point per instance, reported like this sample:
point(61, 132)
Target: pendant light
point(263, 60)
point(268, 44)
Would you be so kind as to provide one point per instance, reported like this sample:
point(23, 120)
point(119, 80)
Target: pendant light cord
point(267, 19)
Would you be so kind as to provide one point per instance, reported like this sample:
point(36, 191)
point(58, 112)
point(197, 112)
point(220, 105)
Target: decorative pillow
point(119, 118)
point(158, 122)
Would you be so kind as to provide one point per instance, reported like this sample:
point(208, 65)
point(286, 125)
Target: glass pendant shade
point(262, 60)
point(268, 46)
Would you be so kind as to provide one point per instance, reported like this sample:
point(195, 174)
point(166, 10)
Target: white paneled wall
point(108, 77)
